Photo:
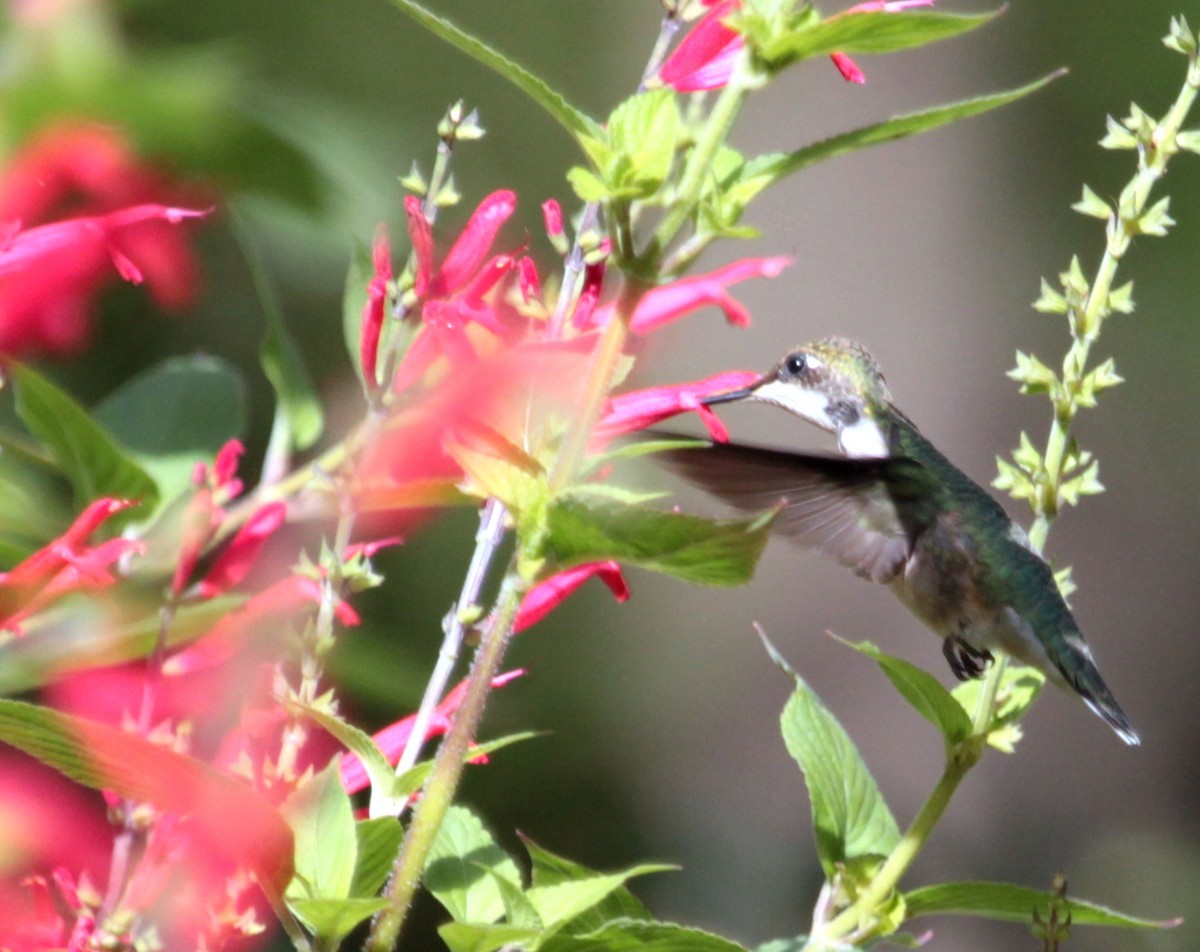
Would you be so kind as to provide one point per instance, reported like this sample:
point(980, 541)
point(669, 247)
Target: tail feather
point(1096, 695)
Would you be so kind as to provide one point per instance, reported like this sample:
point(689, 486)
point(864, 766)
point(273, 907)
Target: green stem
point(442, 784)
point(958, 764)
point(699, 163)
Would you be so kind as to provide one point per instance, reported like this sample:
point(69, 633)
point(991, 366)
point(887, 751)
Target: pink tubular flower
point(392, 740)
point(630, 412)
point(848, 68)
point(372, 317)
point(668, 303)
point(65, 565)
point(236, 561)
point(51, 274)
point(546, 596)
point(704, 59)
point(453, 296)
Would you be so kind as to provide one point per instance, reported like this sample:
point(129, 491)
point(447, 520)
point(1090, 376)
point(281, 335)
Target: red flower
point(668, 303)
point(64, 565)
point(546, 596)
point(393, 739)
point(372, 318)
point(49, 278)
point(630, 412)
point(704, 59)
point(235, 562)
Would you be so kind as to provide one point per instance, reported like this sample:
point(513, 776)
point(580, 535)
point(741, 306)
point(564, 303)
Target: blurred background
point(662, 715)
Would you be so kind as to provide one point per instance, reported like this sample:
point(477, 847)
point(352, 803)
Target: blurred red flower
point(77, 175)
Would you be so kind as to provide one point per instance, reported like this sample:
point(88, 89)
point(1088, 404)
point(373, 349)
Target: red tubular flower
point(50, 278)
point(662, 305)
point(546, 596)
point(238, 558)
point(393, 739)
point(64, 565)
point(453, 295)
point(848, 68)
point(705, 58)
point(372, 317)
point(630, 412)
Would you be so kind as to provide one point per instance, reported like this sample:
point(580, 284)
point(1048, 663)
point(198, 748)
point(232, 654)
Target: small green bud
point(1121, 299)
point(1074, 281)
point(448, 194)
point(1050, 301)
point(1155, 221)
point(1032, 374)
point(1118, 137)
point(1180, 38)
point(1093, 205)
point(414, 181)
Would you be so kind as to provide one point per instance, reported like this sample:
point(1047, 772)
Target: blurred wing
point(845, 507)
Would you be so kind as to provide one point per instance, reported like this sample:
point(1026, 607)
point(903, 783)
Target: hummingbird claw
point(966, 661)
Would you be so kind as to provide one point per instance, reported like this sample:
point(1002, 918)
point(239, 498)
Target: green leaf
point(107, 758)
point(1018, 689)
point(378, 842)
point(578, 124)
point(354, 297)
point(796, 944)
point(1016, 904)
point(322, 822)
point(413, 779)
point(774, 168)
point(332, 920)
point(90, 458)
point(869, 32)
point(384, 802)
point(71, 637)
point(477, 937)
point(643, 131)
point(709, 552)
point(518, 910)
point(563, 902)
point(456, 870)
point(176, 414)
point(550, 869)
point(634, 935)
point(587, 185)
point(298, 406)
point(850, 818)
point(924, 692)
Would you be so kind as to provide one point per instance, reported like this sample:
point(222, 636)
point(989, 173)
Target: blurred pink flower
point(630, 412)
point(372, 317)
point(96, 208)
point(704, 59)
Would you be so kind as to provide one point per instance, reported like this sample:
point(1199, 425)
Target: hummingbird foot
point(966, 661)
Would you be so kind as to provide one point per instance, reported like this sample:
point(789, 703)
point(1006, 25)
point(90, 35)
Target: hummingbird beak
point(731, 395)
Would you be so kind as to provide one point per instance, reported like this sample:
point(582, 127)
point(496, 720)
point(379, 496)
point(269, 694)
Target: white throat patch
point(806, 404)
point(863, 439)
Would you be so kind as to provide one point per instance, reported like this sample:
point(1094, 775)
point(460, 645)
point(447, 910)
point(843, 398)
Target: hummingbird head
point(833, 383)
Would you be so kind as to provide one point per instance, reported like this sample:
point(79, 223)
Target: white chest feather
point(863, 439)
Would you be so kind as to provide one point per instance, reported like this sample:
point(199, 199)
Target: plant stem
point(442, 784)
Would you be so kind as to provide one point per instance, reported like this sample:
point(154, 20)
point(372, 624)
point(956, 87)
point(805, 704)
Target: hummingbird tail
point(1096, 695)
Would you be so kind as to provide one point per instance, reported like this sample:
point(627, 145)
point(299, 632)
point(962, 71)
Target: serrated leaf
point(476, 937)
point(354, 297)
point(455, 869)
point(322, 822)
point(90, 458)
point(378, 843)
point(1016, 904)
point(587, 185)
point(850, 818)
point(868, 32)
point(106, 758)
point(766, 170)
point(1092, 205)
point(563, 902)
point(176, 414)
point(578, 124)
point(384, 802)
point(333, 919)
point(550, 869)
point(708, 552)
point(639, 936)
point(923, 691)
point(643, 130)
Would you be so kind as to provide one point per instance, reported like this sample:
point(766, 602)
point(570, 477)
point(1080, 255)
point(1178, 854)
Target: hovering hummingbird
point(896, 511)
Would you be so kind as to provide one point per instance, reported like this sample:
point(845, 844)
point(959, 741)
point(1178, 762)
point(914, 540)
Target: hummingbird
point(894, 510)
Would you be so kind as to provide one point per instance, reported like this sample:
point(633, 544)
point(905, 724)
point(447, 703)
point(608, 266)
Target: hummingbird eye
point(795, 364)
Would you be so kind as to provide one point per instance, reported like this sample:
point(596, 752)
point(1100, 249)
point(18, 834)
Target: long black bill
point(727, 397)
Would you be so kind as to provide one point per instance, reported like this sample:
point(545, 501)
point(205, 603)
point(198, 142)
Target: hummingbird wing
point(866, 513)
